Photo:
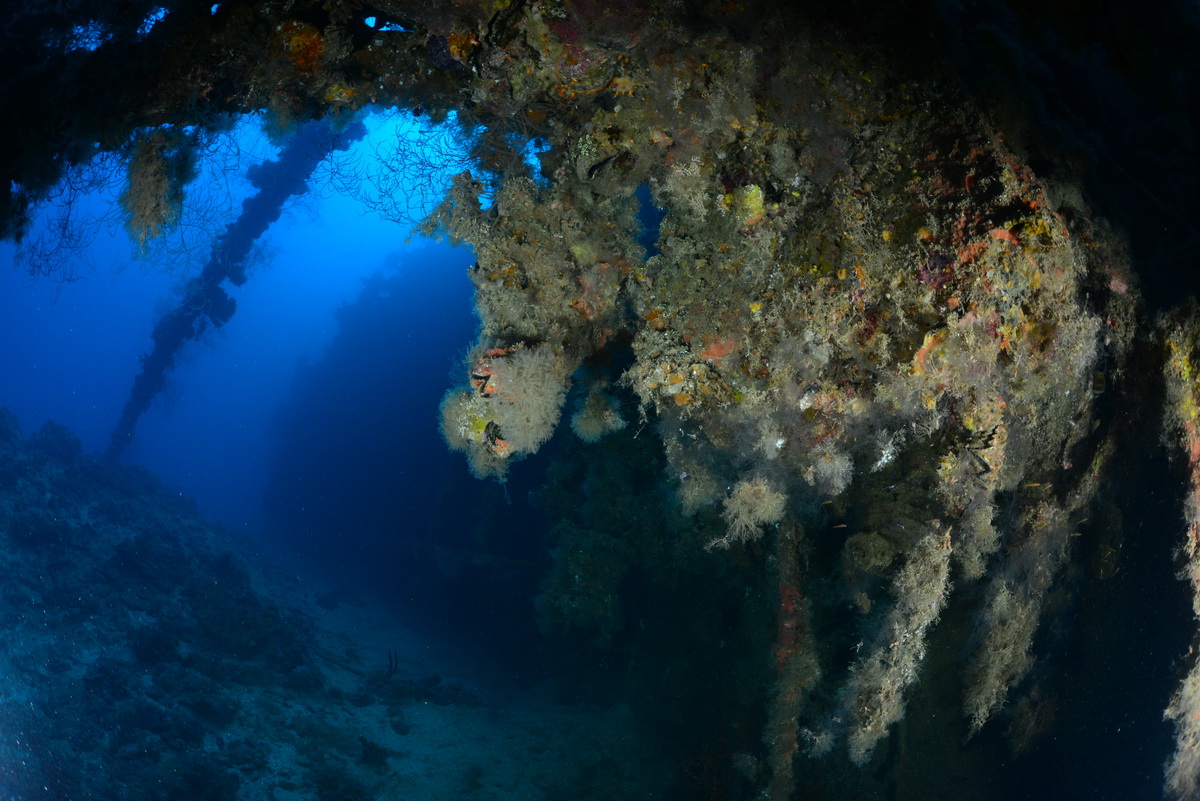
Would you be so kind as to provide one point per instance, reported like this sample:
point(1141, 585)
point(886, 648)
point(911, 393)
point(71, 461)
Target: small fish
point(599, 165)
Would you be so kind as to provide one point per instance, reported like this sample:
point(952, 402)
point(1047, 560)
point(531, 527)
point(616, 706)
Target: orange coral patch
point(719, 349)
point(1004, 235)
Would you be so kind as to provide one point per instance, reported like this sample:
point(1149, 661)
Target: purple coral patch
point(937, 271)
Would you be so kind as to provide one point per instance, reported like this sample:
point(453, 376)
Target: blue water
point(79, 342)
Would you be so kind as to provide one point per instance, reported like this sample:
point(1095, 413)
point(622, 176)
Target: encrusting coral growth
point(161, 164)
point(878, 303)
point(1181, 335)
point(902, 303)
point(512, 408)
point(752, 504)
point(597, 415)
point(877, 684)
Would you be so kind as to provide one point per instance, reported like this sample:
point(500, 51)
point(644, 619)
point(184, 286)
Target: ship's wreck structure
point(857, 293)
point(880, 358)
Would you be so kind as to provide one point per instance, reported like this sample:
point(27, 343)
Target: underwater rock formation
point(149, 655)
